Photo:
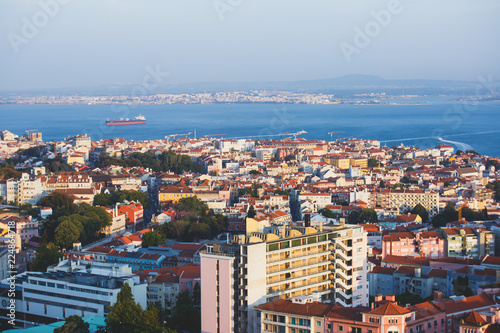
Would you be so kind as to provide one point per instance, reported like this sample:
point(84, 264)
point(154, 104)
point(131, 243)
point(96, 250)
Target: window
point(449, 321)
point(318, 323)
point(341, 328)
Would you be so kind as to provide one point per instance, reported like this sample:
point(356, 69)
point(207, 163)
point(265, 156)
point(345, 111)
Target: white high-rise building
point(263, 267)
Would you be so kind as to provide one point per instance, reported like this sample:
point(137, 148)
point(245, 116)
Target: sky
point(84, 43)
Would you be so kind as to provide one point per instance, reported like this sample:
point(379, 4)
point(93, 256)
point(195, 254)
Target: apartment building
point(469, 242)
point(301, 314)
point(429, 244)
point(24, 190)
point(118, 222)
point(405, 200)
point(285, 263)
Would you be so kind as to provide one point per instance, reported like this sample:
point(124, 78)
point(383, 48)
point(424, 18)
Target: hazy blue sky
point(93, 42)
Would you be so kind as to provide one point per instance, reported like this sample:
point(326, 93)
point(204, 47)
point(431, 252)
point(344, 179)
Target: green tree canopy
point(372, 162)
point(46, 255)
point(152, 238)
point(367, 215)
point(186, 316)
point(74, 324)
point(327, 213)
point(421, 211)
point(251, 212)
point(193, 205)
point(167, 161)
point(68, 231)
point(125, 315)
point(60, 203)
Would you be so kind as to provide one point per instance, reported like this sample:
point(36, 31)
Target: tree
point(197, 294)
point(405, 180)
point(372, 163)
point(381, 184)
point(495, 186)
point(449, 214)
point(186, 316)
point(152, 238)
point(281, 192)
point(327, 213)
point(492, 163)
point(421, 211)
point(46, 255)
point(251, 212)
point(60, 203)
point(68, 232)
point(125, 315)
point(255, 172)
point(8, 172)
point(367, 215)
point(193, 205)
point(408, 298)
point(177, 229)
point(199, 231)
point(74, 324)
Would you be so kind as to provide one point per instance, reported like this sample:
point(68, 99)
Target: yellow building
point(174, 193)
point(361, 162)
point(339, 162)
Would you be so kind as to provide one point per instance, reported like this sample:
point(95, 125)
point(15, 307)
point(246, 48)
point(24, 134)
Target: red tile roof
point(314, 309)
point(389, 309)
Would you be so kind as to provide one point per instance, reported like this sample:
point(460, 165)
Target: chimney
point(418, 272)
point(391, 298)
point(438, 295)
point(307, 220)
point(378, 298)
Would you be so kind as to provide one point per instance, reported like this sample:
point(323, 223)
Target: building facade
point(299, 261)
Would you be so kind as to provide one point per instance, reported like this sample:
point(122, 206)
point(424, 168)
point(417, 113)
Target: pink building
point(399, 244)
point(431, 244)
point(217, 270)
point(26, 228)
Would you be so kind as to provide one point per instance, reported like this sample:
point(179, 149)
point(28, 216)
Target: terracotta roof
point(438, 273)
point(424, 309)
point(314, 309)
point(491, 260)
point(474, 319)
point(383, 270)
point(468, 303)
point(389, 309)
point(341, 312)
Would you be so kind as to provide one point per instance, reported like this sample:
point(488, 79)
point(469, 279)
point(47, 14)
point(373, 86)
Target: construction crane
point(283, 140)
point(281, 135)
point(331, 134)
point(460, 211)
point(174, 135)
point(298, 133)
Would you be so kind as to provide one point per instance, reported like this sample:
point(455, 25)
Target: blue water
point(476, 126)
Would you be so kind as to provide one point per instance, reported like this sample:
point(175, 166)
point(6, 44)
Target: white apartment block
point(291, 262)
point(24, 190)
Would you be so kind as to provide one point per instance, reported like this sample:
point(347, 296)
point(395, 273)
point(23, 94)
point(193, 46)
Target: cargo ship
point(140, 119)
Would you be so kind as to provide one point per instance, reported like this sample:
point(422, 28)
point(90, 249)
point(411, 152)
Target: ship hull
point(122, 123)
